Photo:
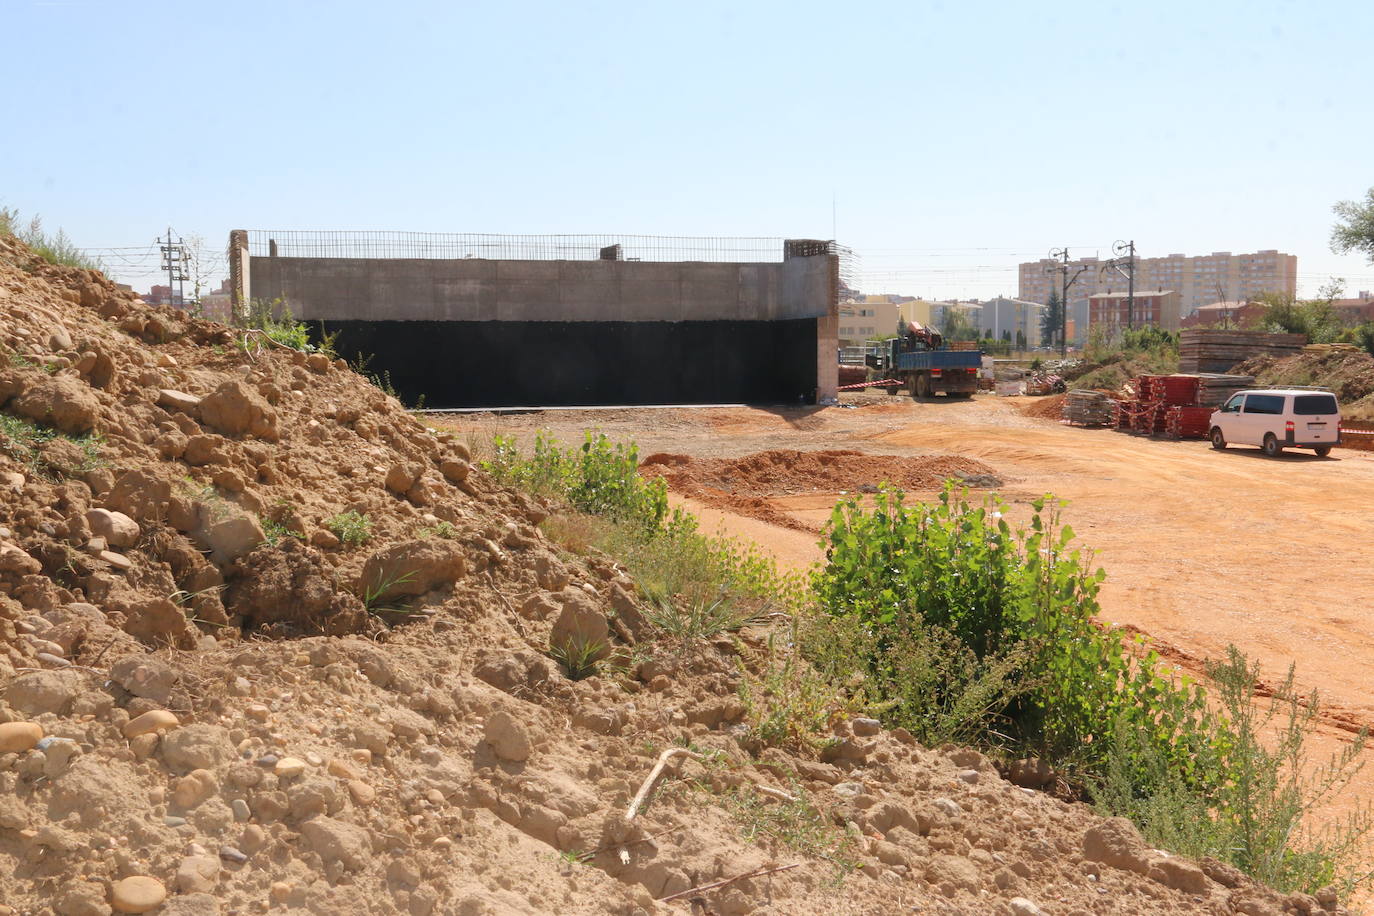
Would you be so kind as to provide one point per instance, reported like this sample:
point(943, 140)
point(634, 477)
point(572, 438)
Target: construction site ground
point(1202, 549)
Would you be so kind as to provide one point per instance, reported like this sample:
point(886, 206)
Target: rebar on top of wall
point(458, 245)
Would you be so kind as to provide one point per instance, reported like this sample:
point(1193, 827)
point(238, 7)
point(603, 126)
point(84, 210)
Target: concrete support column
point(238, 274)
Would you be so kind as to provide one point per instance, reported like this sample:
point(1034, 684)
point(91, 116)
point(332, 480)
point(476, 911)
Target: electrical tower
point(1062, 254)
point(1125, 253)
point(174, 262)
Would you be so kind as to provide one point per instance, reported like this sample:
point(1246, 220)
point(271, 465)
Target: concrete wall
point(565, 332)
point(358, 289)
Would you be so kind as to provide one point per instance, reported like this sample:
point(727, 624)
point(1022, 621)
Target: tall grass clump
point(56, 248)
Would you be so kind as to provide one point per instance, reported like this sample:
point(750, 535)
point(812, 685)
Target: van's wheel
point(1322, 450)
point(1218, 440)
point(1271, 445)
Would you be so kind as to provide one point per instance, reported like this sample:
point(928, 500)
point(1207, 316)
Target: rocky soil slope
point(217, 697)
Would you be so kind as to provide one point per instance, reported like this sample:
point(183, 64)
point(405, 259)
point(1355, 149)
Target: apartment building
point(1114, 311)
point(864, 317)
point(1005, 315)
point(1198, 280)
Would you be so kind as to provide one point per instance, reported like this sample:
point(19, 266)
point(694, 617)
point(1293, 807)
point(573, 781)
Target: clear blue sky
point(956, 138)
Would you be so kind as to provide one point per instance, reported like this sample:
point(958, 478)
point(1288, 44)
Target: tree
point(1051, 320)
point(1354, 230)
point(1006, 336)
point(1020, 339)
point(955, 325)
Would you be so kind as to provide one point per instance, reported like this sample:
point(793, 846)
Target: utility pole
point(1062, 254)
point(1124, 251)
point(174, 262)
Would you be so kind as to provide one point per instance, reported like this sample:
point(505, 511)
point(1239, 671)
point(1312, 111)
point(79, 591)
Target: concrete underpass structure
point(564, 320)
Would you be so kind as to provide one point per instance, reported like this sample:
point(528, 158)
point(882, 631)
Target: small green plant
point(441, 529)
point(701, 619)
point(24, 441)
point(274, 531)
point(377, 597)
point(274, 320)
point(790, 703)
point(796, 824)
point(579, 658)
point(352, 528)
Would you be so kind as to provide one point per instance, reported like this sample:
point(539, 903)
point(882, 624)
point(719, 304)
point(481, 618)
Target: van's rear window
point(1312, 404)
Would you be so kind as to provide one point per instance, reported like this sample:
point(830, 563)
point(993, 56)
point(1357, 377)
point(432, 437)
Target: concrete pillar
point(238, 274)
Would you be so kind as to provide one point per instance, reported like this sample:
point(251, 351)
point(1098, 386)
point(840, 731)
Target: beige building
point(865, 317)
point(1199, 280)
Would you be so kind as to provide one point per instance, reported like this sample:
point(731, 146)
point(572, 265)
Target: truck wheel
point(922, 385)
point(1271, 445)
point(1218, 440)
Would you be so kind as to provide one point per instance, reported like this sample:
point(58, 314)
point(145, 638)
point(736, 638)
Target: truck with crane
point(919, 359)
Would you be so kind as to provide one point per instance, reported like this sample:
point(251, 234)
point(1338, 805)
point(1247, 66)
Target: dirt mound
point(169, 497)
point(745, 485)
point(1348, 373)
point(1049, 407)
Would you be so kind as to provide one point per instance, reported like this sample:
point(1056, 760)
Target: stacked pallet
point(1331, 348)
point(1217, 349)
point(1174, 390)
point(1085, 407)
point(1187, 422)
point(1215, 390)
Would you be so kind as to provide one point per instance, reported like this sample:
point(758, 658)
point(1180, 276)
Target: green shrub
point(352, 528)
point(1020, 604)
point(598, 479)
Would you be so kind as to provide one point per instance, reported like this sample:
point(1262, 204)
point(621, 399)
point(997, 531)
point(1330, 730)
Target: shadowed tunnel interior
point(579, 363)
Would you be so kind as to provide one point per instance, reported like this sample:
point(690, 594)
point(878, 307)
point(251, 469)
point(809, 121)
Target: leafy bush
point(599, 478)
point(1021, 606)
point(352, 528)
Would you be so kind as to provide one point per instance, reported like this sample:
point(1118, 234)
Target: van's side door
point(1261, 414)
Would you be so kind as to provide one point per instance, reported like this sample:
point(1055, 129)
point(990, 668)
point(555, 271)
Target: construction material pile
point(1086, 407)
point(1188, 422)
point(269, 644)
point(1215, 389)
point(1155, 397)
point(1218, 350)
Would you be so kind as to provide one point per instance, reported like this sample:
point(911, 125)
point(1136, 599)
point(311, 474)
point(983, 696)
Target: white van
point(1279, 418)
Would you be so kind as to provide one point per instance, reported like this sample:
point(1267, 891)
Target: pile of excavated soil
point(745, 485)
point(1348, 373)
point(1049, 407)
point(210, 703)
